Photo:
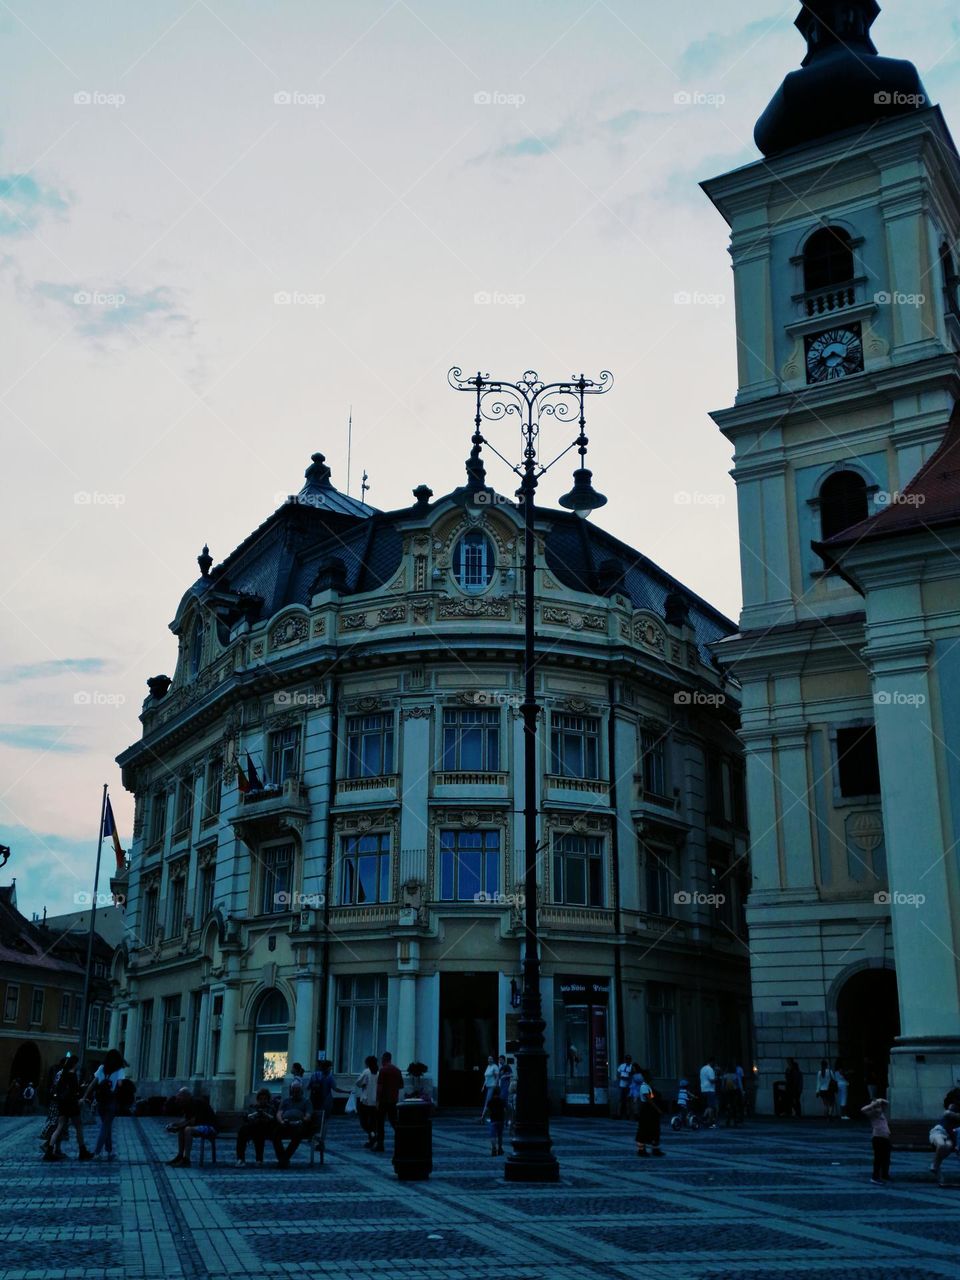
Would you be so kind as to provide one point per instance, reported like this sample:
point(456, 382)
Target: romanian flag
point(110, 831)
point(243, 782)
point(249, 781)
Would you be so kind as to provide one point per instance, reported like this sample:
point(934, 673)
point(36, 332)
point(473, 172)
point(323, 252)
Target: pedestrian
point(505, 1083)
point(731, 1097)
point(67, 1093)
point(634, 1090)
point(198, 1120)
point(103, 1089)
point(944, 1137)
point(29, 1098)
point(794, 1081)
point(708, 1092)
point(496, 1110)
point(624, 1072)
point(389, 1088)
point(491, 1078)
point(826, 1089)
point(843, 1090)
point(320, 1086)
point(295, 1120)
point(366, 1087)
point(648, 1119)
point(880, 1140)
point(259, 1124)
point(683, 1100)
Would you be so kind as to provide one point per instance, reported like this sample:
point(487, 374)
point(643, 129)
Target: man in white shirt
point(708, 1091)
point(624, 1072)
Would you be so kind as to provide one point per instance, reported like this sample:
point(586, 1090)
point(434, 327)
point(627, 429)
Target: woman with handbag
point(365, 1096)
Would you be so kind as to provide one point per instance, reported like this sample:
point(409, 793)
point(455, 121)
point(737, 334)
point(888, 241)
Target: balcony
point(381, 786)
point(565, 788)
point(554, 915)
point(273, 808)
point(384, 915)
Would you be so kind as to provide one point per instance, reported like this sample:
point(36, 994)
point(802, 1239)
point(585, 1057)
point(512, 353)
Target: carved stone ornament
point(416, 713)
point(319, 626)
point(393, 613)
point(473, 608)
point(353, 621)
point(367, 704)
point(293, 630)
point(256, 649)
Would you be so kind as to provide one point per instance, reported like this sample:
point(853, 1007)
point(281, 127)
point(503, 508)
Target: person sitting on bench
point(199, 1120)
point(295, 1121)
point(259, 1124)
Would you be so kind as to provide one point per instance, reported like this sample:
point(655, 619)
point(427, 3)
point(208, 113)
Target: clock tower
point(843, 245)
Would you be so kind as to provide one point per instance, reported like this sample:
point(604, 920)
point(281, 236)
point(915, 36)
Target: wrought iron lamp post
point(529, 400)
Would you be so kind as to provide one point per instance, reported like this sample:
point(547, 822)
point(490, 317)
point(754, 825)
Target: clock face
point(834, 353)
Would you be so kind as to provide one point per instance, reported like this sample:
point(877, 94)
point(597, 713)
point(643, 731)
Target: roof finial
point(318, 472)
point(205, 560)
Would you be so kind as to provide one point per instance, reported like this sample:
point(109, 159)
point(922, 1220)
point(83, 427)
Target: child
point(943, 1139)
point(648, 1120)
point(496, 1110)
point(683, 1100)
point(874, 1111)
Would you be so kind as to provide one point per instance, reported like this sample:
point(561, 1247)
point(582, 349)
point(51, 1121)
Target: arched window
point(827, 259)
point(950, 281)
point(270, 1040)
point(196, 647)
point(473, 561)
point(843, 502)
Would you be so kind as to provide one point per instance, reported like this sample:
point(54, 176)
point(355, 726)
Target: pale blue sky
point(155, 197)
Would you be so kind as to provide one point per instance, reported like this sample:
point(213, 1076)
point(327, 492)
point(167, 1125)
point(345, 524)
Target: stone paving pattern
point(765, 1202)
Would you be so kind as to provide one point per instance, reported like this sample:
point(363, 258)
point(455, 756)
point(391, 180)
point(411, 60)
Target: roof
point(43, 946)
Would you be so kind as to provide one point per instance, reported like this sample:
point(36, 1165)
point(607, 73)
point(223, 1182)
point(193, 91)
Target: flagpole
point(88, 975)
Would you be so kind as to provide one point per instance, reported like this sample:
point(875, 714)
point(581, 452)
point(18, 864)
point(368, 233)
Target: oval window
point(473, 561)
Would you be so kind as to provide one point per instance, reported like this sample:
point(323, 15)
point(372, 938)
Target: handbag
point(351, 1107)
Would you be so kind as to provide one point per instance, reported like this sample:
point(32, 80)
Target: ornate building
point(843, 240)
point(326, 849)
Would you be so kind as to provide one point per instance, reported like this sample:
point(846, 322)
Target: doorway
point(468, 1034)
point(868, 1022)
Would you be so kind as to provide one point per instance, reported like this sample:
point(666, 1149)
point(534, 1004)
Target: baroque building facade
point(843, 243)
point(327, 849)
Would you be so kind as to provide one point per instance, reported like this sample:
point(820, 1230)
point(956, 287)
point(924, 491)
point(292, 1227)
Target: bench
point(229, 1122)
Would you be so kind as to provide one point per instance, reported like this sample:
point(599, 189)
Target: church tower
point(843, 245)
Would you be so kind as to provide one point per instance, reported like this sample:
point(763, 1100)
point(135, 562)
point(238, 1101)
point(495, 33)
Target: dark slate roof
point(41, 946)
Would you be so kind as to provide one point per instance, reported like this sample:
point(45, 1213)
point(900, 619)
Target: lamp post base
point(536, 1167)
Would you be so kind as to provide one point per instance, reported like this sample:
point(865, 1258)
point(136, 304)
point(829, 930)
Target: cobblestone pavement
point(764, 1202)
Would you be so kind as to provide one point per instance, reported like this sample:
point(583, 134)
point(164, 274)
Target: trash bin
point(781, 1102)
point(413, 1141)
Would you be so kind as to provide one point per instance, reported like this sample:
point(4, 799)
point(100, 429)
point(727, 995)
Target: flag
point(243, 782)
point(253, 779)
point(110, 830)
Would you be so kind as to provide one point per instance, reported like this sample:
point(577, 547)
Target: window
point(738, 785)
point(184, 811)
point(858, 769)
point(722, 887)
point(271, 1041)
point(36, 1006)
point(471, 739)
point(369, 746)
point(158, 818)
point(469, 864)
point(94, 1022)
point(11, 1003)
point(205, 888)
point(361, 1020)
point(284, 754)
point(171, 1037)
point(574, 746)
point(151, 903)
point(473, 561)
point(196, 647)
point(660, 882)
point(365, 869)
point(827, 259)
point(578, 870)
point(178, 898)
point(661, 1034)
point(277, 879)
point(145, 1047)
point(64, 1018)
point(950, 280)
point(653, 756)
point(843, 502)
point(77, 1010)
point(211, 789)
point(193, 1047)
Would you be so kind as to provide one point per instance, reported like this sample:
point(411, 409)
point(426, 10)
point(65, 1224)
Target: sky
point(224, 223)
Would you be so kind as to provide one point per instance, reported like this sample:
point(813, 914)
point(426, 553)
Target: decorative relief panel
point(393, 613)
point(292, 630)
point(569, 618)
point(353, 621)
point(472, 608)
point(319, 626)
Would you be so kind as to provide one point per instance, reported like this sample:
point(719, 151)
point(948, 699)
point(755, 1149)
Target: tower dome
point(842, 82)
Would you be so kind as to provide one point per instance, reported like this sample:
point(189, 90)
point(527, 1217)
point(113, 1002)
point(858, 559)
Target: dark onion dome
point(843, 82)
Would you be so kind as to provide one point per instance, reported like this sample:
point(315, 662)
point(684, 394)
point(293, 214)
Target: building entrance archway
point(868, 1022)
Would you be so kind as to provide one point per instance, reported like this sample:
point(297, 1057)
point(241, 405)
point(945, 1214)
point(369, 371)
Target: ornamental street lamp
point(532, 400)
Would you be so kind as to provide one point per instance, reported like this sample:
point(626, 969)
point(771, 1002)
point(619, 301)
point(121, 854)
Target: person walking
point(259, 1124)
point(624, 1072)
point(103, 1089)
point(648, 1119)
point(708, 1092)
point(634, 1090)
point(389, 1088)
point(491, 1078)
point(366, 1087)
point(67, 1095)
point(496, 1111)
point(505, 1083)
point(880, 1140)
point(843, 1090)
point(732, 1097)
point(827, 1089)
point(794, 1081)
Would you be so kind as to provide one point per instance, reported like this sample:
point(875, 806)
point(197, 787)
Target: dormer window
point(473, 561)
point(843, 502)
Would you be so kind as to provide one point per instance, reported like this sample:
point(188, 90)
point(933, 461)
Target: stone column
point(408, 964)
point(115, 1012)
point(203, 1035)
point(228, 1031)
point(132, 1046)
point(304, 1027)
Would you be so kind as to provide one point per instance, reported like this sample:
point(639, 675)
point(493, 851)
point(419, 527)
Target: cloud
point(571, 133)
point(114, 311)
point(718, 52)
point(23, 202)
point(49, 869)
point(38, 737)
point(55, 667)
